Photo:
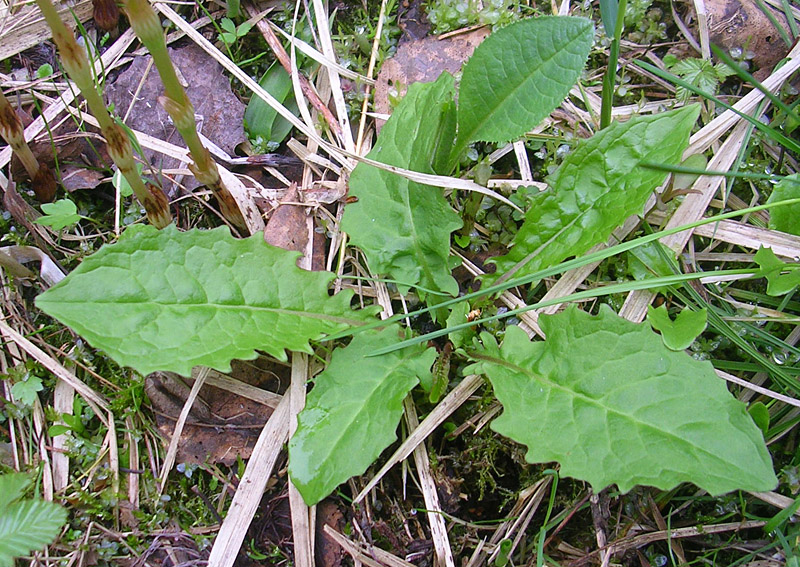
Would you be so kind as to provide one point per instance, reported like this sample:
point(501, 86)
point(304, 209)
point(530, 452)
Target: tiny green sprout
point(44, 71)
point(781, 277)
point(502, 554)
point(232, 32)
point(59, 215)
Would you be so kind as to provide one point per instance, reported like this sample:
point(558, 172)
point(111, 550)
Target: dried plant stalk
point(147, 27)
point(119, 145)
point(42, 180)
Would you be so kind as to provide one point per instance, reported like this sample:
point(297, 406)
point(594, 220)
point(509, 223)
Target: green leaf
point(263, 121)
point(58, 429)
point(607, 400)
point(596, 188)
point(781, 277)
point(26, 390)
point(760, 415)
point(683, 181)
point(228, 25)
point(352, 412)
point(647, 261)
point(518, 76)
point(786, 218)
point(27, 526)
point(58, 215)
point(459, 314)
point(608, 13)
point(404, 227)
point(44, 71)
point(170, 300)
point(680, 333)
point(12, 487)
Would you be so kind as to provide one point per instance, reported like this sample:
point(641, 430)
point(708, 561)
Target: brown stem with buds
point(119, 145)
point(147, 28)
point(42, 180)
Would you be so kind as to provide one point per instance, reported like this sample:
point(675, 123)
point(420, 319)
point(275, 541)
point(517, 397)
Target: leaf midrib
point(220, 307)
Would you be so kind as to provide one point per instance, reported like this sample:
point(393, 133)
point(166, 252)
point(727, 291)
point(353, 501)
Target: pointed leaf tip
point(352, 413)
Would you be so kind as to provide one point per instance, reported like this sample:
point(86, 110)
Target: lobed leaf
point(169, 300)
point(518, 76)
point(607, 400)
point(781, 277)
point(596, 188)
point(680, 333)
point(404, 227)
point(26, 526)
point(352, 412)
point(58, 215)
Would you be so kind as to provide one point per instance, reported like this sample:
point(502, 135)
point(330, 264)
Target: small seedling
point(59, 215)
point(232, 31)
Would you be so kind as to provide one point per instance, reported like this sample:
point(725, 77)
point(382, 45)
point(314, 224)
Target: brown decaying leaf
point(221, 426)
point(208, 89)
point(287, 227)
point(423, 60)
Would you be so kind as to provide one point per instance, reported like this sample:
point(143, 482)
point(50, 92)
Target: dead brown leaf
point(423, 60)
point(287, 227)
point(742, 24)
point(221, 425)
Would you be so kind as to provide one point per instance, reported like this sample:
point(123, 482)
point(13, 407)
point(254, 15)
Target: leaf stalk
point(11, 130)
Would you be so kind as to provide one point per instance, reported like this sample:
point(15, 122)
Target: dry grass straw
point(251, 487)
point(172, 450)
point(22, 25)
point(441, 543)
point(444, 409)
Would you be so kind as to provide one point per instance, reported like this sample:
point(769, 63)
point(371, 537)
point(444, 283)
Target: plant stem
point(42, 180)
point(147, 27)
point(119, 145)
point(610, 78)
